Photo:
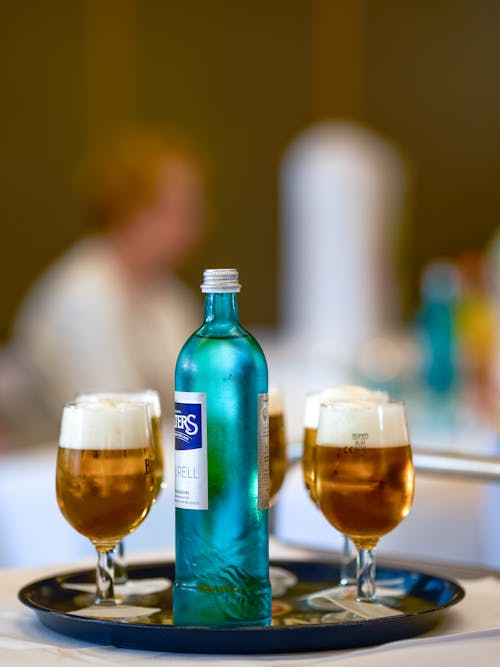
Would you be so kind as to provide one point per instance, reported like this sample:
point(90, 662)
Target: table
point(468, 635)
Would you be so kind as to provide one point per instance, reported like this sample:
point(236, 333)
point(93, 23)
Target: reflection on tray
point(119, 612)
point(131, 587)
point(148, 601)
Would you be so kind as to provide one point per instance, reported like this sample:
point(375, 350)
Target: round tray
point(420, 598)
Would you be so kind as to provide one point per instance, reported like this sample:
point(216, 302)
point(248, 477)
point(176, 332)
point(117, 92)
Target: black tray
point(422, 599)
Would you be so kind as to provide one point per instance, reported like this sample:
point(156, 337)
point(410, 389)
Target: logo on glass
point(188, 433)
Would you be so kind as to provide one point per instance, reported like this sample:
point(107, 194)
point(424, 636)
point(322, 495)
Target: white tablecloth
point(469, 635)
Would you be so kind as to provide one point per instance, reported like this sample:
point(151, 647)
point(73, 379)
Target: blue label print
point(191, 470)
point(188, 426)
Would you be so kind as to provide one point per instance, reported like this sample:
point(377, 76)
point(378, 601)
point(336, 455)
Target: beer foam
point(345, 392)
point(149, 396)
point(362, 422)
point(105, 424)
point(275, 402)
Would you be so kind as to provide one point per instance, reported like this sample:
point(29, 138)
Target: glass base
point(327, 599)
point(281, 580)
point(341, 603)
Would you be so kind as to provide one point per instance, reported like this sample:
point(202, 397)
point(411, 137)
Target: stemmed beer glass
point(311, 418)
point(281, 579)
point(364, 477)
point(277, 443)
point(105, 477)
point(152, 398)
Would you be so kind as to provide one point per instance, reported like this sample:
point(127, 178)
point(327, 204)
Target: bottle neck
point(221, 308)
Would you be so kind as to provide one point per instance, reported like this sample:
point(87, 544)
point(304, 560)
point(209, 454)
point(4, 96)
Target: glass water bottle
point(221, 468)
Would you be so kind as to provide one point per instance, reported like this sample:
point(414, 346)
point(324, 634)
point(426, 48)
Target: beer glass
point(277, 443)
point(313, 402)
point(364, 476)
point(281, 579)
point(152, 398)
point(348, 556)
point(104, 479)
point(311, 417)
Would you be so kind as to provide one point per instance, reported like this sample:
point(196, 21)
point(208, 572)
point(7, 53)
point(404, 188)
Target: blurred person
point(110, 312)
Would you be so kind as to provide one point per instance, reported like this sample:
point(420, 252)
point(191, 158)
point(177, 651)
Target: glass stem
point(348, 563)
point(366, 575)
point(105, 577)
point(121, 574)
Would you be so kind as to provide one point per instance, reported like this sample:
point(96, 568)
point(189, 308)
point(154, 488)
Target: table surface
point(469, 633)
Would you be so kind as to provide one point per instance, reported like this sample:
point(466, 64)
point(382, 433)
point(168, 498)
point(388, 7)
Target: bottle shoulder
point(242, 339)
point(221, 351)
point(221, 330)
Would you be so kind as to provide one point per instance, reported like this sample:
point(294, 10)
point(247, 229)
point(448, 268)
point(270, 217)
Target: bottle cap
point(220, 281)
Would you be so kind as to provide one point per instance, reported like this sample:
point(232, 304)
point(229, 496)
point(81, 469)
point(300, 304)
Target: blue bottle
point(221, 468)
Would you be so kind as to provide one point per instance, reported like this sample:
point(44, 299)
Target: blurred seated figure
point(110, 313)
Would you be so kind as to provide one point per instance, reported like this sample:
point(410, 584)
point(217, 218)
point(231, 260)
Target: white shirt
point(82, 328)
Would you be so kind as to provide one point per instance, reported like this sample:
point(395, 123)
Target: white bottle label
point(263, 449)
point(191, 467)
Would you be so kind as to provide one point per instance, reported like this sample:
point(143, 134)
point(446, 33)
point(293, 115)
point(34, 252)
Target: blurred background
point(244, 79)
point(248, 83)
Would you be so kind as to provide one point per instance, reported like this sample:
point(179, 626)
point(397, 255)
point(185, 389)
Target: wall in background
point(244, 78)
point(431, 82)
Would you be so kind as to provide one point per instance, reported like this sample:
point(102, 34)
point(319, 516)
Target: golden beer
point(152, 399)
point(364, 491)
point(105, 493)
point(157, 462)
point(277, 453)
point(311, 417)
point(308, 460)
